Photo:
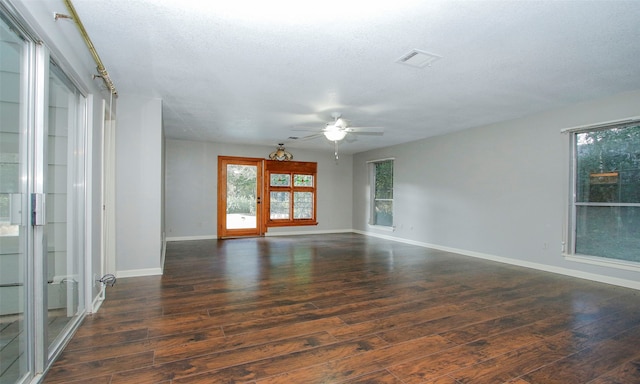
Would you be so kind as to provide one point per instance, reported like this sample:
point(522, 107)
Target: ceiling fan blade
point(351, 138)
point(368, 133)
point(305, 129)
point(373, 131)
point(308, 137)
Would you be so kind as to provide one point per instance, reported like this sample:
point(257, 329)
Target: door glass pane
point(303, 181)
point(279, 205)
point(302, 205)
point(64, 228)
point(280, 180)
point(13, 250)
point(242, 189)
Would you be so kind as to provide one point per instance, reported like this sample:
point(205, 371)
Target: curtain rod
point(92, 49)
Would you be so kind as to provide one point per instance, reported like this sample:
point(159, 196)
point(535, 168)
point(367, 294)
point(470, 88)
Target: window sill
point(605, 262)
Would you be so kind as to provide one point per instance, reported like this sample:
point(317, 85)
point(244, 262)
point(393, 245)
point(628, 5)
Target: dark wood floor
point(347, 308)
point(13, 340)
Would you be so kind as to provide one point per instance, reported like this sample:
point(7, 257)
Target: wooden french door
point(240, 196)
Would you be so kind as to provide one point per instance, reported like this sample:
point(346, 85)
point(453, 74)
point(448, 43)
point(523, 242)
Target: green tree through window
point(241, 187)
point(382, 209)
point(607, 192)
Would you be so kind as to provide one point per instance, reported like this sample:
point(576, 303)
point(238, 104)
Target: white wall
point(139, 173)
point(191, 188)
point(499, 191)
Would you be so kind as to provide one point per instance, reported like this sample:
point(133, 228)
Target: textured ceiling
point(230, 71)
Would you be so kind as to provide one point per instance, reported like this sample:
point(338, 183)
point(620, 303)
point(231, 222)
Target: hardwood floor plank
point(278, 347)
point(584, 365)
point(347, 308)
point(477, 349)
point(217, 368)
point(442, 380)
point(535, 322)
point(65, 373)
point(521, 361)
point(106, 379)
point(173, 369)
point(396, 295)
point(462, 319)
point(359, 365)
point(100, 351)
point(237, 314)
point(472, 352)
point(215, 302)
point(155, 326)
point(106, 338)
point(253, 325)
point(628, 372)
point(591, 362)
point(232, 342)
point(379, 377)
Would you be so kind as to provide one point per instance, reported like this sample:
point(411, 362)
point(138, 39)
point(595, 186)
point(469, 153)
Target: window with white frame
point(381, 172)
point(605, 209)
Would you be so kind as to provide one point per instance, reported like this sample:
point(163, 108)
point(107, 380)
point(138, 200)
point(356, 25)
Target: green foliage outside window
point(241, 189)
point(606, 153)
point(607, 221)
point(383, 193)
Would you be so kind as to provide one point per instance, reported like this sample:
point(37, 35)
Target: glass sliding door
point(64, 195)
point(14, 284)
point(43, 127)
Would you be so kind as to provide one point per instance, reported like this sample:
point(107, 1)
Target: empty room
point(334, 192)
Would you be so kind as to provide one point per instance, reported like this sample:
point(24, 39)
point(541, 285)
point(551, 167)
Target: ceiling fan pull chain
point(335, 143)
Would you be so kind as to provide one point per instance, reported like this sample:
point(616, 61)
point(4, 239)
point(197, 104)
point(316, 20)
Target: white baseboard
point(189, 238)
point(322, 232)
point(521, 263)
point(139, 272)
point(268, 234)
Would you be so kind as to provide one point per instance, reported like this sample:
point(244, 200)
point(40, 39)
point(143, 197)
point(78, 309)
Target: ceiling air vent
point(417, 58)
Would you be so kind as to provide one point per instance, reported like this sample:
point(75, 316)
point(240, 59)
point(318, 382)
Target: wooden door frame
point(223, 232)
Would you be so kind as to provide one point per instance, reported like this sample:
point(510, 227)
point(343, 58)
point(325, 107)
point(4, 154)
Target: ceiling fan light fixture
point(340, 123)
point(334, 133)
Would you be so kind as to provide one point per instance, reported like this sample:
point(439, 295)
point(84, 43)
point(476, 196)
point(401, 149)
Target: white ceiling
point(253, 72)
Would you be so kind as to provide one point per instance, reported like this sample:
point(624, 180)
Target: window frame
point(291, 168)
point(569, 245)
point(372, 191)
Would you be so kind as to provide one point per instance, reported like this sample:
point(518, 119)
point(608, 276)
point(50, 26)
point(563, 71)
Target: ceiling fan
point(339, 128)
